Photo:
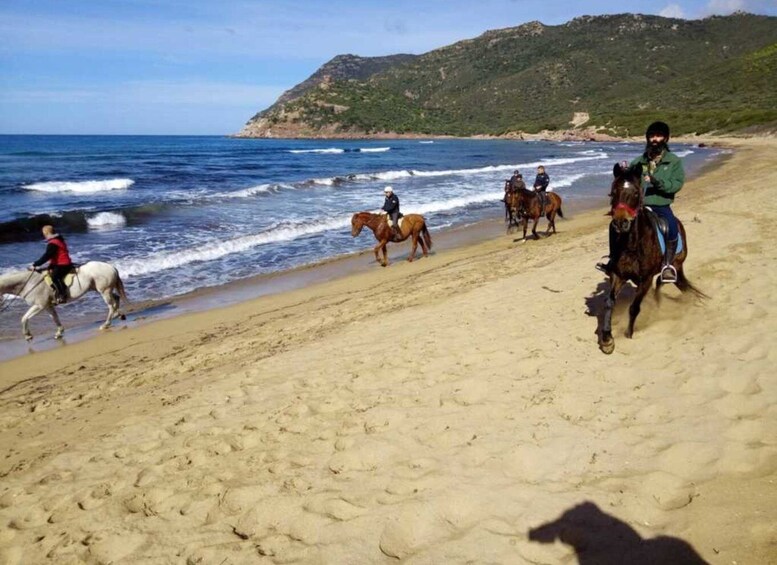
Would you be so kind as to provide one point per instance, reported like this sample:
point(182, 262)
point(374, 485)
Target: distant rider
point(541, 182)
point(516, 181)
point(391, 207)
point(663, 177)
point(59, 261)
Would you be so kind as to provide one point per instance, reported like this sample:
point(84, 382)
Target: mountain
point(610, 74)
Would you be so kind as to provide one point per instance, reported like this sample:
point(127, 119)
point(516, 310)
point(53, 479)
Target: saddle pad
point(662, 242)
point(68, 278)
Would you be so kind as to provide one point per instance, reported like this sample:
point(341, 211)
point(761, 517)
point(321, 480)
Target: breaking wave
point(210, 251)
point(81, 187)
point(106, 221)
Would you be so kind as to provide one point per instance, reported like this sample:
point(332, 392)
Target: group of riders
point(663, 177)
point(516, 184)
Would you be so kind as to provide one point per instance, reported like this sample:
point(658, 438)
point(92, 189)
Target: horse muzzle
point(622, 225)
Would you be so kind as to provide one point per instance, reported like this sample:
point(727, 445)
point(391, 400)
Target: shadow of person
point(601, 539)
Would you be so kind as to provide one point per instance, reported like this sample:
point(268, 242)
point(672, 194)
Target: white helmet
point(388, 189)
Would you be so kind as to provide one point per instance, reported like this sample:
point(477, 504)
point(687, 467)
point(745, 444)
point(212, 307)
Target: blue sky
point(205, 67)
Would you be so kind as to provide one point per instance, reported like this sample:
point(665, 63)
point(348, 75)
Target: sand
point(452, 410)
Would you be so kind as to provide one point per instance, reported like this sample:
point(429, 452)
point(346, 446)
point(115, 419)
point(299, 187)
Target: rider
point(663, 177)
point(514, 184)
point(541, 182)
point(59, 261)
point(391, 207)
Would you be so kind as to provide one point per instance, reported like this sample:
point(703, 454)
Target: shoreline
point(444, 411)
point(242, 290)
point(250, 288)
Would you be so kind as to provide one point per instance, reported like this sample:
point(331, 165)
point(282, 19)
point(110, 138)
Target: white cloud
point(672, 11)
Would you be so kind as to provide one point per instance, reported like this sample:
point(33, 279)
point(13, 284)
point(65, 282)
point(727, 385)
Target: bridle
point(5, 304)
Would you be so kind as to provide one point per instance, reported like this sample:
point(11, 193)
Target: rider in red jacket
point(59, 262)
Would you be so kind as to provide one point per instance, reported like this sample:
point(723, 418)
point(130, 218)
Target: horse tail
point(560, 213)
point(685, 285)
point(120, 288)
point(427, 236)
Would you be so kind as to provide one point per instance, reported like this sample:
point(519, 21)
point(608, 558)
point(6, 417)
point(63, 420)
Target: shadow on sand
point(601, 539)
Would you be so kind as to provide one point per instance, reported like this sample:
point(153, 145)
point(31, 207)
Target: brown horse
point(525, 204)
point(411, 225)
point(637, 254)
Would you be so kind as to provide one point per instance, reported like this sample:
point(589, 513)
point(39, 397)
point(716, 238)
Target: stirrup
point(668, 274)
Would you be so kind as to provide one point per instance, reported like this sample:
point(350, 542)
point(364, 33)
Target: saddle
point(68, 280)
point(662, 231)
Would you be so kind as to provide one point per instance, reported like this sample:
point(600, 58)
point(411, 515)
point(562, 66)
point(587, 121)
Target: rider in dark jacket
point(391, 207)
point(59, 261)
point(541, 182)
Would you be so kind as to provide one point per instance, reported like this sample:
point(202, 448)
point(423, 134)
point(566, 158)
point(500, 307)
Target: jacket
point(391, 204)
point(541, 182)
point(669, 178)
point(56, 253)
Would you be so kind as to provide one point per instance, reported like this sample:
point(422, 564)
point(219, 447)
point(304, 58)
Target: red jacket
point(56, 253)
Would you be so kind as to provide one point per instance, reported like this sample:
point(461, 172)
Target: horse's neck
point(13, 282)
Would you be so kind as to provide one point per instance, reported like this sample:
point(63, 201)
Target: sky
point(204, 67)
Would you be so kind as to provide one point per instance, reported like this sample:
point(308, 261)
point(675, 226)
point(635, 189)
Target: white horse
point(94, 275)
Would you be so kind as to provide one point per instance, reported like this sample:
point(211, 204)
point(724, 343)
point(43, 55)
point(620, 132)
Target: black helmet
point(657, 127)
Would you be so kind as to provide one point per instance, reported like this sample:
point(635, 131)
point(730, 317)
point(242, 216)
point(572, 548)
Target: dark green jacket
point(669, 176)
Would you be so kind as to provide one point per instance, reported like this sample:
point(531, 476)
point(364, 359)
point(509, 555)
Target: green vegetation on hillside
point(717, 74)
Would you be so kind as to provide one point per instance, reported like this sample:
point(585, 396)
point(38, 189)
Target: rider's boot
point(608, 267)
point(668, 272)
point(395, 233)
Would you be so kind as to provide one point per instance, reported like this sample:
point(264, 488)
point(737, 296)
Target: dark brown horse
point(411, 225)
point(525, 204)
point(637, 253)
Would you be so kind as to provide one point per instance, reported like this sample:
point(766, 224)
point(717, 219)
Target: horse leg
point(55, 317)
point(424, 249)
point(534, 227)
point(385, 254)
point(112, 307)
point(525, 226)
point(414, 246)
point(376, 250)
point(607, 343)
point(34, 310)
point(642, 289)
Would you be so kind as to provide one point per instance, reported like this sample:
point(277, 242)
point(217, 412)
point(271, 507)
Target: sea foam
point(81, 187)
point(106, 221)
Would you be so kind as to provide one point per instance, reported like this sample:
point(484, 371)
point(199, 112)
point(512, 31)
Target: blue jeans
point(666, 213)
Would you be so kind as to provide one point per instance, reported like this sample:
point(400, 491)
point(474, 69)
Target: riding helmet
point(388, 189)
point(657, 127)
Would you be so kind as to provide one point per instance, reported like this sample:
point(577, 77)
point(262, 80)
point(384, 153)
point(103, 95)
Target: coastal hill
point(596, 74)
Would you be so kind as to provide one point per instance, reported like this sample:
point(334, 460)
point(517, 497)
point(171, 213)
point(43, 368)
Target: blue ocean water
point(210, 210)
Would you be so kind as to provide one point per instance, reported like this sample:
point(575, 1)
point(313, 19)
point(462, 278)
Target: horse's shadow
point(594, 304)
point(601, 539)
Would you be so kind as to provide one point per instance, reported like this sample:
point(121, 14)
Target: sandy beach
point(452, 410)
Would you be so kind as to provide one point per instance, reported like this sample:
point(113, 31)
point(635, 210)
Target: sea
point(179, 214)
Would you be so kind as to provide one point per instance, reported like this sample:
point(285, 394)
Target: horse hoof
point(58, 336)
point(28, 337)
point(607, 347)
point(105, 326)
point(122, 317)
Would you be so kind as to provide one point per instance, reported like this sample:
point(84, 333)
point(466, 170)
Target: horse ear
point(637, 170)
point(617, 170)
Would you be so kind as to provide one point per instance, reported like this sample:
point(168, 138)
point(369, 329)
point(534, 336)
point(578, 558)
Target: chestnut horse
point(525, 204)
point(411, 225)
point(637, 253)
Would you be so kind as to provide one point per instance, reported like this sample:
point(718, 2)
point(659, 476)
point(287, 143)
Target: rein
point(5, 304)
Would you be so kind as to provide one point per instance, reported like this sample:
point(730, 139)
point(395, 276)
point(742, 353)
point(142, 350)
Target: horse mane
point(15, 278)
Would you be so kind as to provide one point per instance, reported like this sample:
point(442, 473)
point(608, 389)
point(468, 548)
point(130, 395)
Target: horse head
point(625, 196)
point(357, 223)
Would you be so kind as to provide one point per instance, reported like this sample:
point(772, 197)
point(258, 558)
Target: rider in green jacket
point(663, 177)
